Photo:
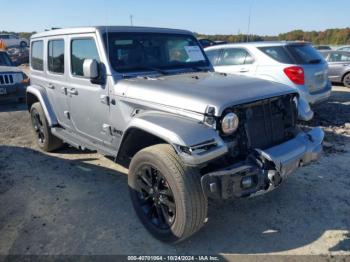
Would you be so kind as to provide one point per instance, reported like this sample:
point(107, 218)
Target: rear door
point(235, 60)
point(56, 78)
point(314, 65)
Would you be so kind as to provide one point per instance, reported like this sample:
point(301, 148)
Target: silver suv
point(295, 64)
point(149, 98)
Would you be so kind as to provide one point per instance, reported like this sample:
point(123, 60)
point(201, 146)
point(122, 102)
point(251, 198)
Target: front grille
point(6, 79)
point(266, 123)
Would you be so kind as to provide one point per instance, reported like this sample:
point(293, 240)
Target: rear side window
point(305, 54)
point(55, 57)
point(213, 55)
point(339, 57)
point(37, 54)
point(236, 56)
point(82, 49)
point(278, 53)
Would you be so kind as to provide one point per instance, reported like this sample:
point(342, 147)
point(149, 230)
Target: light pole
point(249, 15)
point(131, 20)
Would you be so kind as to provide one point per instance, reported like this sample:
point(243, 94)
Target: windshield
point(5, 60)
point(132, 52)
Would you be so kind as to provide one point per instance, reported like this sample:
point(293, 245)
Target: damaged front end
point(264, 170)
point(267, 147)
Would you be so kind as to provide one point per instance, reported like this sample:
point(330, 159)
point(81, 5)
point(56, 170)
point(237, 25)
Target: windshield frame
point(154, 68)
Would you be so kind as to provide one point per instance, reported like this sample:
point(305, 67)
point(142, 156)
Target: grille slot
point(6, 79)
point(266, 123)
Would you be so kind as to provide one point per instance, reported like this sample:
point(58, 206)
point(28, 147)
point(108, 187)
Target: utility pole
point(249, 15)
point(131, 20)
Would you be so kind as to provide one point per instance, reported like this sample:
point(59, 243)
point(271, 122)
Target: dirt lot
point(72, 202)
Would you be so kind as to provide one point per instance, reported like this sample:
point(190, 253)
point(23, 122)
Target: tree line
point(330, 37)
point(337, 36)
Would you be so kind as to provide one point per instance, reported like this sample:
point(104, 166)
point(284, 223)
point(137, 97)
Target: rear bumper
point(318, 96)
point(264, 170)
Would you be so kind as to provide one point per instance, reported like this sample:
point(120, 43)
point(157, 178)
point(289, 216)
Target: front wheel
point(166, 195)
point(346, 80)
point(45, 139)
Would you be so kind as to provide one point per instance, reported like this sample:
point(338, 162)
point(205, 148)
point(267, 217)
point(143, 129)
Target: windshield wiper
point(163, 72)
point(199, 69)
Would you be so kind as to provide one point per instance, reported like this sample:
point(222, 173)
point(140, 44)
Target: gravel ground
point(73, 202)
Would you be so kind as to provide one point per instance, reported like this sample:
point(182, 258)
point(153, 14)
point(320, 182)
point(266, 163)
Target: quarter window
point(56, 56)
point(236, 56)
point(82, 49)
point(37, 56)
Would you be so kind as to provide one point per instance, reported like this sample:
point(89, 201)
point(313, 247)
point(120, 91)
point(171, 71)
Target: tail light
point(295, 74)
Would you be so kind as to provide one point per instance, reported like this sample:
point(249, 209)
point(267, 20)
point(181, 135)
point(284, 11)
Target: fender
point(40, 93)
point(195, 142)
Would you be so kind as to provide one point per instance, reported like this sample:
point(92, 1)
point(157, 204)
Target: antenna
point(131, 20)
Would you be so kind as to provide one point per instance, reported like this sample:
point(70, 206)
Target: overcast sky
point(268, 17)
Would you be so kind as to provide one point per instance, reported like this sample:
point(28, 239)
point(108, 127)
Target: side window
point(55, 57)
point(4, 37)
point(345, 57)
point(278, 53)
point(82, 49)
point(213, 56)
point(335, 57)
point(236, 56)
point(37, 54)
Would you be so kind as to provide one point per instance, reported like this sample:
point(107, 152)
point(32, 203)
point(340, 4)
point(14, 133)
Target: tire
point(45, 140)
point(180, 197)
point(346, 80)
point(23, 44)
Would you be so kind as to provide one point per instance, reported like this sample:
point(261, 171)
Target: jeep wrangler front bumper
point(264, 170)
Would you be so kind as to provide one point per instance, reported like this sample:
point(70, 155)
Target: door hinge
point(104, 99)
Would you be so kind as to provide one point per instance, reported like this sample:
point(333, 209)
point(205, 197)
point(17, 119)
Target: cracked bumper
point(264, 170)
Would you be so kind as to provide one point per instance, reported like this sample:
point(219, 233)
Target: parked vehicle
point(344, 48)
point(339, 66)
point(322, 47)
point(13, 81)
point(206, 42)
point(149, 98)
point(296, 64)
point(14, 40)
point(18, 55)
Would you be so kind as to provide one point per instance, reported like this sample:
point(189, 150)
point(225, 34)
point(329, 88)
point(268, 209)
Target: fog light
point(246, 182)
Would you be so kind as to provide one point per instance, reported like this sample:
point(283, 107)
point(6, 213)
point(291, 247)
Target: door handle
point(51, 86)
point(72, 91)
point(243, 70)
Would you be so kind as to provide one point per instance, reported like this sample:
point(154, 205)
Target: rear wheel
point(346, 80)
point(166, 195)
point(45, 140)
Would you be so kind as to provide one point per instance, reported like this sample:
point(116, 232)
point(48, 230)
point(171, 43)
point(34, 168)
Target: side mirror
point(90, 68)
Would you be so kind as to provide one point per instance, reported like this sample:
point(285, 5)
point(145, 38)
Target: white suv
point(14, 40)
point(295, 64)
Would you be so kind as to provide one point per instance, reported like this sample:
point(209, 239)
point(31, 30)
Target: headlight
point(229, 123)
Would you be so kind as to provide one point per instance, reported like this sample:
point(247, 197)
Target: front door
point(88, 106)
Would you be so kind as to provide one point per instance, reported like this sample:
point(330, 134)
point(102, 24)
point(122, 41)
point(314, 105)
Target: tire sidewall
point(347, 75)
point(177, 228)
point(37, 107)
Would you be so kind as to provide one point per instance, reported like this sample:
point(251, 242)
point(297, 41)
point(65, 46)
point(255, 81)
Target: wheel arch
point(38, 94)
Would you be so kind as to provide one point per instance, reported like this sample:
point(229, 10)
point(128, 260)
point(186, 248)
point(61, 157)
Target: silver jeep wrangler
point(149, 98)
